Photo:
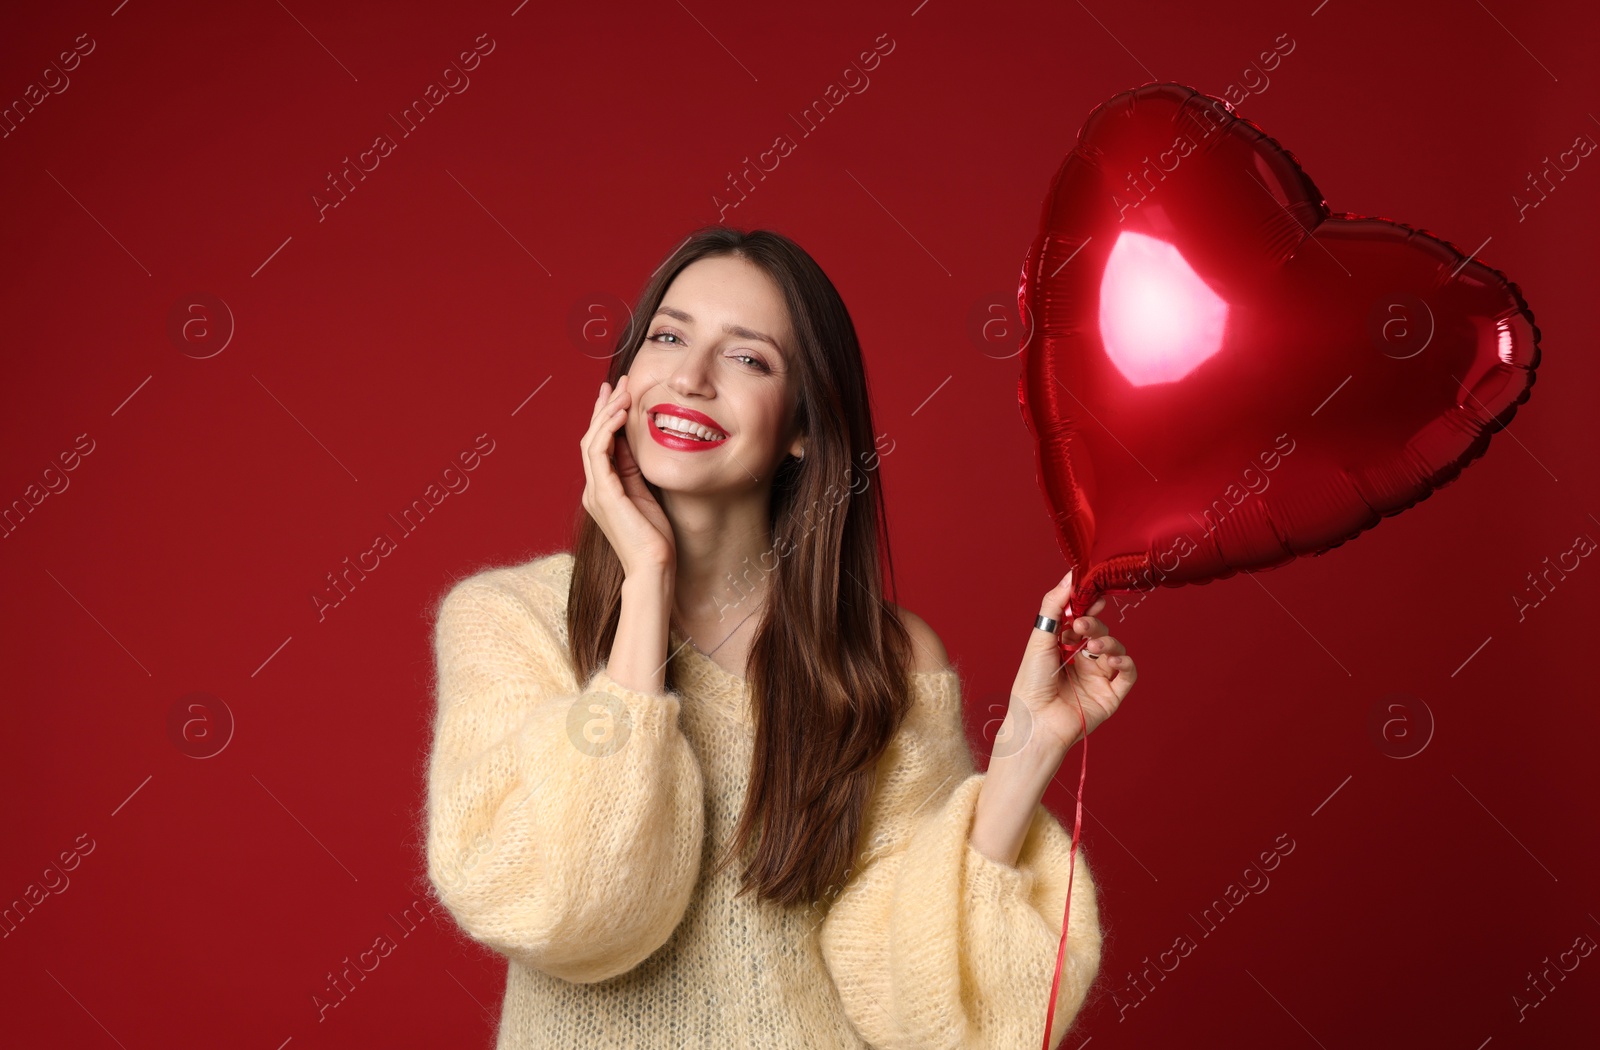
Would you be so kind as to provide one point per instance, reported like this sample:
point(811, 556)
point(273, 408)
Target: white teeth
point(673, 424)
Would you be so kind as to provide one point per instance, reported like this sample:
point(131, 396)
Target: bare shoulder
point(927, 651)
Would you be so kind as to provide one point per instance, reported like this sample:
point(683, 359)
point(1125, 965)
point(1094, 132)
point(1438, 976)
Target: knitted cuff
point(617, 708)
point(988, 879)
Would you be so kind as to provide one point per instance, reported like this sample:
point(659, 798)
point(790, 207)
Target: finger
point(633, 479)
point(609, 404)
point(1052, 606)
point(603, 444)
point(596, 418)
point(586, 440)
point(597, 444)
point(1093, 663)
point(1073, 602)
point(600, 401)
point(628, 467)
point(1089, 627)
point(1105, 645)
point(1127, 673)
point(619, 402)
point(610, 397)
point(623, 397)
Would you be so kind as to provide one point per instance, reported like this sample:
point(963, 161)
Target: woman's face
point(718, 353)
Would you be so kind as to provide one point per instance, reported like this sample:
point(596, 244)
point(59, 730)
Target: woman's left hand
point(1099, 677)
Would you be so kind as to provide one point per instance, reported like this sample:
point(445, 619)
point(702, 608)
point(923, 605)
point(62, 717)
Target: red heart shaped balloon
point(1221, 374)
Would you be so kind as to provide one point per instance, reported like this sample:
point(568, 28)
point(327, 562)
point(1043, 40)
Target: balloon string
point(1077, 826)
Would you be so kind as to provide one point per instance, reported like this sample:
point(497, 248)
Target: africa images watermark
point(1211, 114)
point(1541, 587)
point(1539, 987)
point(342, 585)
point(344, 979)
point(855, 81)
point(1163, 563)
point(54, 80)
point(454, 78)
point(53, 882)
point(1542, 184)
point(783, 547)
point(55, 483)
point(1252, 883)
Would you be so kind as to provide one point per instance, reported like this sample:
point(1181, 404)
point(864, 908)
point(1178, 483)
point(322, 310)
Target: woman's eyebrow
point(732, 329)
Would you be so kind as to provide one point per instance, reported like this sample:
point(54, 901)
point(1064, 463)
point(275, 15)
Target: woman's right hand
point(616, 495)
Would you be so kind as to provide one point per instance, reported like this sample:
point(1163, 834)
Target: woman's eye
point(754, 361)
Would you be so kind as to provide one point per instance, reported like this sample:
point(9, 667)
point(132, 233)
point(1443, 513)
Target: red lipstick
point(672, 440)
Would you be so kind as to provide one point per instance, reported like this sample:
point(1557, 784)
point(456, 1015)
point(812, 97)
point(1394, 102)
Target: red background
point(371, 347)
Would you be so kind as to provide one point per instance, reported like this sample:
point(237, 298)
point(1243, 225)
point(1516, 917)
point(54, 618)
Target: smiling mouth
point(674, 426)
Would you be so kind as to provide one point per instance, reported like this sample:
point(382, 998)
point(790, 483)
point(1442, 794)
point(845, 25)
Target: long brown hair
point(827, 668)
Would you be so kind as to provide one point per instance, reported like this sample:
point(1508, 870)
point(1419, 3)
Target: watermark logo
point(1551, 575)
point(53, 81)
point(1400, 325)
point(598, 724)
point(1203, 115)
point(853, 81)
point(341, 183)
point(1148, 976)
point(53, 882)
point(995, 327)
point(1539, 984)
point(341, 583)
point(52, 482)
point(1010, 722)
point(594, 324)
point(1400, 725)
point(200, 725)
point(200, 325)
point(1541, 185)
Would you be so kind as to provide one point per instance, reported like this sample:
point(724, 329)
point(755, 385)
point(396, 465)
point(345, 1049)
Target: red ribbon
point(1077, 825)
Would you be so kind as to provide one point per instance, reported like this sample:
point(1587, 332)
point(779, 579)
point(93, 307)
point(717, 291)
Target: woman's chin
point(667, 476)
point(683, 480)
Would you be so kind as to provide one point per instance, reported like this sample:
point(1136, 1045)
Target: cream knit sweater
point(572, 828)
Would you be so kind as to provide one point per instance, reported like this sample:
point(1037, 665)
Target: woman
point(714, 669)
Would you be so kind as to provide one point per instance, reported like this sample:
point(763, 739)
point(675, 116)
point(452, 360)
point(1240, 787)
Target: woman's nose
point(692, 373)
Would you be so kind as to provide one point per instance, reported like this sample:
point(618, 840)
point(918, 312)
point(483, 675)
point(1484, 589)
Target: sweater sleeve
point(565, 825)
point(933, 944)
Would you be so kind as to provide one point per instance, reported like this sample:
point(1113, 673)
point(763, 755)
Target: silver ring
point(1045, 623)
